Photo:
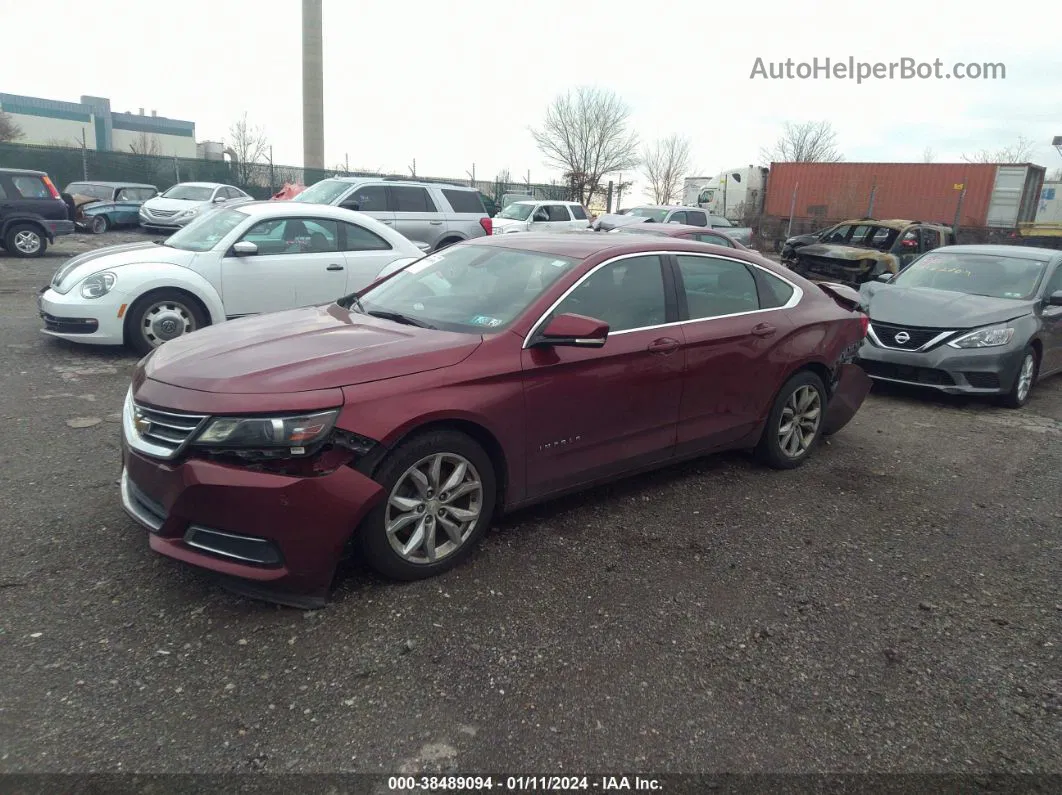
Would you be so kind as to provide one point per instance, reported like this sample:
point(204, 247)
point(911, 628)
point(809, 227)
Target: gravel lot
point(895, 605)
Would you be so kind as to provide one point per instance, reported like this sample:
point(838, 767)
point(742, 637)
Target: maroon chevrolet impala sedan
point(395, 423)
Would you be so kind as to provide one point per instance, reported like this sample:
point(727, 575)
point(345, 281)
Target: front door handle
point(763, 330)
point(335, 267)
point(664, 345)
point(436, 223)
point(389, 222)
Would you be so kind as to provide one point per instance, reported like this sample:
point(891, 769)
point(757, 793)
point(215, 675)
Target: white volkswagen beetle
point(235, 261)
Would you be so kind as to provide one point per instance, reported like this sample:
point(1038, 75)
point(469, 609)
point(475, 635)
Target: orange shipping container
point(995, 195)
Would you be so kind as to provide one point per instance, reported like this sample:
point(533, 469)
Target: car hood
point(613, 221)
point(302, 350)
point(508, 224)
point(77, 268)
point(802, 240)
point(927, 308)
point(177, 205)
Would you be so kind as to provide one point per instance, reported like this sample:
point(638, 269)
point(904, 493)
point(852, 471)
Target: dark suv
point(32, 212)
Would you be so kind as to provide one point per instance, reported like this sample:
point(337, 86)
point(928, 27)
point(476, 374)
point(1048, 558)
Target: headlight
point(985, 338)
point(98, 284)
point(294, 432)
point(188, 213)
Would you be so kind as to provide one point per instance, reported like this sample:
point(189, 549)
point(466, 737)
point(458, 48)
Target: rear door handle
point(335, 267)
point(664, 345)
point(436, 223)
point(763, 330)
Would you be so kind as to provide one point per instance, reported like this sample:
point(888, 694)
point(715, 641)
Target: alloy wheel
point(1025, 377)
point(800, 420)
point(28, 242)
point(433, 508)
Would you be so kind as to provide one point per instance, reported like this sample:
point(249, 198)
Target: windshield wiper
point(398, 317)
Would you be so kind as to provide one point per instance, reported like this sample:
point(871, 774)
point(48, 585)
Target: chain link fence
point(261, 180)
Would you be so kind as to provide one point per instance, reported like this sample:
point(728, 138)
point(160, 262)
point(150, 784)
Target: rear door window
point(579, 212)
point(715, 240)
point(558, 212)
point(677, 217)
point(412, 199)
point(716, 287)
point(696, 218)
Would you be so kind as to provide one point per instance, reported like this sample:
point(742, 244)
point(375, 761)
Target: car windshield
point(324, 192)
point(720, 221)
point(205, 232)
point(85, 189)
point(992, 275)
point(191, 193)
point(650, 213)
point(642, 229)
point(466, 288)
point(517, 212)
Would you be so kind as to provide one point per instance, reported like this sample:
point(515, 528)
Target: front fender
point(137, 279)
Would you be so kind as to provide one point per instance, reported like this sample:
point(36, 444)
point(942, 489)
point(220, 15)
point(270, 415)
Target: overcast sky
point(457, 83)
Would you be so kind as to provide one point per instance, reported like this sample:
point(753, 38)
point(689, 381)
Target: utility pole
point(873, 193)
point(346, 162)
point(472, 176)
point(961, 187)
point(792, 209)
point(413, 168)
point(84, 155)
point(312, 85)
point(272, 174)
point(619, 194)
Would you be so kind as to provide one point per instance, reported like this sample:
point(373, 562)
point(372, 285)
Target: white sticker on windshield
point(559, 263)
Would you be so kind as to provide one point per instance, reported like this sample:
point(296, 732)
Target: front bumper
point(274, 537)
point(97, 321)
point(971, 371)
point(171, 223)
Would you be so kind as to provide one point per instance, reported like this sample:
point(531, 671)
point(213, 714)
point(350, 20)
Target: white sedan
point(232, 262)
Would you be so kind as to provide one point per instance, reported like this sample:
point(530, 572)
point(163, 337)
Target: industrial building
point(92, 123)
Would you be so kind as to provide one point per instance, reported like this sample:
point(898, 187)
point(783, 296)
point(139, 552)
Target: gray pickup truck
point(662, 214)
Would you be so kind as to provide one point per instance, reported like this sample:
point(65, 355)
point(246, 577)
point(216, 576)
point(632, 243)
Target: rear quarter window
point(465, 201)
point(30, 187)
point(578, 212)
point(773, 291)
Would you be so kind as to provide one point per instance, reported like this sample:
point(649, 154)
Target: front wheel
point(441, 492)
point(1019, 392)
point(794, 425)
point(161, 316)
point(100, 224)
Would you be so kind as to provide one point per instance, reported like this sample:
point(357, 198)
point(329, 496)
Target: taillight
point(51, 188)
point(864, 321)
point(487, 224)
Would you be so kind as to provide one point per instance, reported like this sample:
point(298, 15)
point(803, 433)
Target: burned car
point(859, 251)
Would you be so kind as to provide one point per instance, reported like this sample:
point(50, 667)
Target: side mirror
point(219, 199)
point(576, 331)
point(541, 217)
point(1055, 299)
point(245, 248)
point(884, 277)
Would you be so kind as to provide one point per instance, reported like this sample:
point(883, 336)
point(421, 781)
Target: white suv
point(544, 216)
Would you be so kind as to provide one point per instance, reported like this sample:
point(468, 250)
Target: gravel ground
point(894, 605)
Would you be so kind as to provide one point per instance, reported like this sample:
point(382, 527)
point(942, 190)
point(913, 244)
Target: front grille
point(912, 338)
point(982, 380)
point(167, 429)
point(161, 213)
point(823, 266)
point(69, 325)
point(904, 372)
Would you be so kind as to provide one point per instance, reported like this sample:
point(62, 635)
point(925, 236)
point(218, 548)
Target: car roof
point(288, 209)
point(547, 201)
point(581, 245)
point(112, 184)
point(674, 230)
point(890, 223)
point(663, 207)
point(411, 182)
point(1000, 250)
point(23, 171)
point(202, 185)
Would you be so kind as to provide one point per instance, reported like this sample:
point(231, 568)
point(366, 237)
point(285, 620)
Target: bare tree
point(145, 144)
point(807, 142)
point(664, 164)
point(1018, 152)
point(585, 135)
point(249, 146)
point(928, 155)
point(9, 131)
point(503, 177)
point(1056, 175)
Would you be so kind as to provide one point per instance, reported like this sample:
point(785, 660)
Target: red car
point(394, 424)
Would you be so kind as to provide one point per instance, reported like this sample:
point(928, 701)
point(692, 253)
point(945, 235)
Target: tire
point(25, 240)
point(794, 393)
point(1024, 380)
point(146, 326)
point(379, 547)
point(447, 243)
point(99, 224)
